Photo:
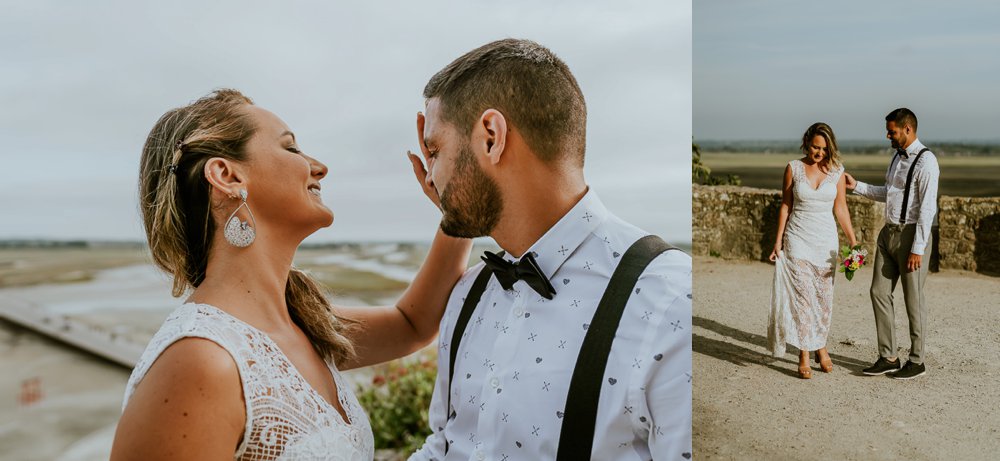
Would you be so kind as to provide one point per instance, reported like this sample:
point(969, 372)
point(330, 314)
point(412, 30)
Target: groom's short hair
point(528, 84)
point(903, 116)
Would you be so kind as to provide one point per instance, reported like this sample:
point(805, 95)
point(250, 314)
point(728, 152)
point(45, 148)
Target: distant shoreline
point(55, 244)
point(857, 147)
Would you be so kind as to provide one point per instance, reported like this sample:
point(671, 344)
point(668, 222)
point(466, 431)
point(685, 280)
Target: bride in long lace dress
point(806, 251)
point(249, 366)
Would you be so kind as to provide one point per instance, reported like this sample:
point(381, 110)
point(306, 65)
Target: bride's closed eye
point(293, 150)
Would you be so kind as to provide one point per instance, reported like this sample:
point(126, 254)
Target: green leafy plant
point(397, 402)
point(702, 174)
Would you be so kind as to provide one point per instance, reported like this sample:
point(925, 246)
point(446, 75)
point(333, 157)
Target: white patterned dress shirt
point(517, 356)
point(922, 206)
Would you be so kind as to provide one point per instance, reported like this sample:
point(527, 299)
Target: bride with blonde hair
point(805, 251)
point(249, 366)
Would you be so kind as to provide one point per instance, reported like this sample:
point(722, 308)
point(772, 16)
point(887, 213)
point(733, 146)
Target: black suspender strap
point(576, 438)
point(471, 300)
point(909, 181)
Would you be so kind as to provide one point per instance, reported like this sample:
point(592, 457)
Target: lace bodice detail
point(286, 418)
point(808, 199)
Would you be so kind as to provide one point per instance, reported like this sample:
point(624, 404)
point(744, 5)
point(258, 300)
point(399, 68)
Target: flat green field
point(960, 176)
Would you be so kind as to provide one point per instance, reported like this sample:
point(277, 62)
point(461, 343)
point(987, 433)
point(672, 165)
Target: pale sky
point(769, 69)
point(81, 84)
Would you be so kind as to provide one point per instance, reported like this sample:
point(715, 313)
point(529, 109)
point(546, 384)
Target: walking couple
point(573, 343)
point(806, 249)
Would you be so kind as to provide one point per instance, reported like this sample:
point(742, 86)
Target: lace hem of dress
point(801, 305)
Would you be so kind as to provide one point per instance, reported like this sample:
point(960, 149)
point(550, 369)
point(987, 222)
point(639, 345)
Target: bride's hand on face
point(419, 171)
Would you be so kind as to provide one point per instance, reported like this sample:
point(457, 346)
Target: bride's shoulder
point(794, 166)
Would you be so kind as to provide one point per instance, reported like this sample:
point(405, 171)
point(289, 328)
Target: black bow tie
point(902, 153)
point(527, 269)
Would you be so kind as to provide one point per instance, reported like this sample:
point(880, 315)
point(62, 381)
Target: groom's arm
point(876, 193)
point(667, 392)
point(927, 187)
point(869, 191)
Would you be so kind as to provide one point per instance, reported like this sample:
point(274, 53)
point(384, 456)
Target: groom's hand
point(418, 165)
point(913, 262)
point(851, 182)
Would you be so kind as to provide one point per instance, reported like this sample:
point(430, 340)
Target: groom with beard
point(904, 244)
point(555, 348)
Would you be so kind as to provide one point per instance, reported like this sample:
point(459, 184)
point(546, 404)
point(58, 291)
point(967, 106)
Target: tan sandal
point(805, 372)
point(825, 365)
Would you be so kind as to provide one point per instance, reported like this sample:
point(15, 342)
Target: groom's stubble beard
point(472, 203)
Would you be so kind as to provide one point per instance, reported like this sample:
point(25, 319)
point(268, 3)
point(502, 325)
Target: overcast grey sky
point(81, 84)
point(768, 69)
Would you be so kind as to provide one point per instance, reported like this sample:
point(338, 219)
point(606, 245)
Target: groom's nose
point(429, 179)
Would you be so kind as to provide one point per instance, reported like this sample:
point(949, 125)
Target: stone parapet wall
point(970, 234)
point(734, 222)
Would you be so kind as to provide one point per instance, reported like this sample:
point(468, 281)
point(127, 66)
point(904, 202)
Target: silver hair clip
point(172, 168)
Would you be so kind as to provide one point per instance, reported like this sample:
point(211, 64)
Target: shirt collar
point(913, 148)
point(563, 238)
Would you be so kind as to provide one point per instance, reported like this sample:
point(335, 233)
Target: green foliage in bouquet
point(398, 400)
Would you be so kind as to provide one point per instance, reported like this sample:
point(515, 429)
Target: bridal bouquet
point(854, 259)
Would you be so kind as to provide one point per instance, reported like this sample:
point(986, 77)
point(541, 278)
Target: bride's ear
point(225, 176)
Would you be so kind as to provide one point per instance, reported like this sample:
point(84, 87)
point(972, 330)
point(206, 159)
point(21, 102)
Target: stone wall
point(741, 223)
point(970, 234)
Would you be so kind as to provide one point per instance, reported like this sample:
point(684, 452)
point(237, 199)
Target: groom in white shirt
point(904, 244)
point(503, 137)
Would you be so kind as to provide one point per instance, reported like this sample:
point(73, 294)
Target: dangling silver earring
point(240, 233)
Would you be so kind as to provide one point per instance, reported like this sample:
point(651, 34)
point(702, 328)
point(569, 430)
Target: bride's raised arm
point(388, 332)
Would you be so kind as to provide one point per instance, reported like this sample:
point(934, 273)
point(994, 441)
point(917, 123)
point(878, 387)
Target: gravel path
point(748, 405)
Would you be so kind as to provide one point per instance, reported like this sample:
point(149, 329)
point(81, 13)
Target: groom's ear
point(494, 139)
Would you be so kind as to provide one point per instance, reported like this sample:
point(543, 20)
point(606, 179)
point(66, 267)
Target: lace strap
point(837, 172)
point(797, 170)
point(196, 321)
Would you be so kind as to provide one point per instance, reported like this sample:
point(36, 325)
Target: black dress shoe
point(881, 367)
point(909, 371)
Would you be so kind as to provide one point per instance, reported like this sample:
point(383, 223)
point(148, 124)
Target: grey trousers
point(894, 243)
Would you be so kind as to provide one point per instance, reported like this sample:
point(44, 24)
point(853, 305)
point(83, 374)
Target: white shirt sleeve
point(927, 187)
point(876, 193)
point(667, 394)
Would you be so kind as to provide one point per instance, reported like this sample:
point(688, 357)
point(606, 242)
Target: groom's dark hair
point(528, 84)
point(903, 116)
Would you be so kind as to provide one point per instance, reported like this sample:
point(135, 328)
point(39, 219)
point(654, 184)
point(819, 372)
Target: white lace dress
point(802, 296)
point(286, 418)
